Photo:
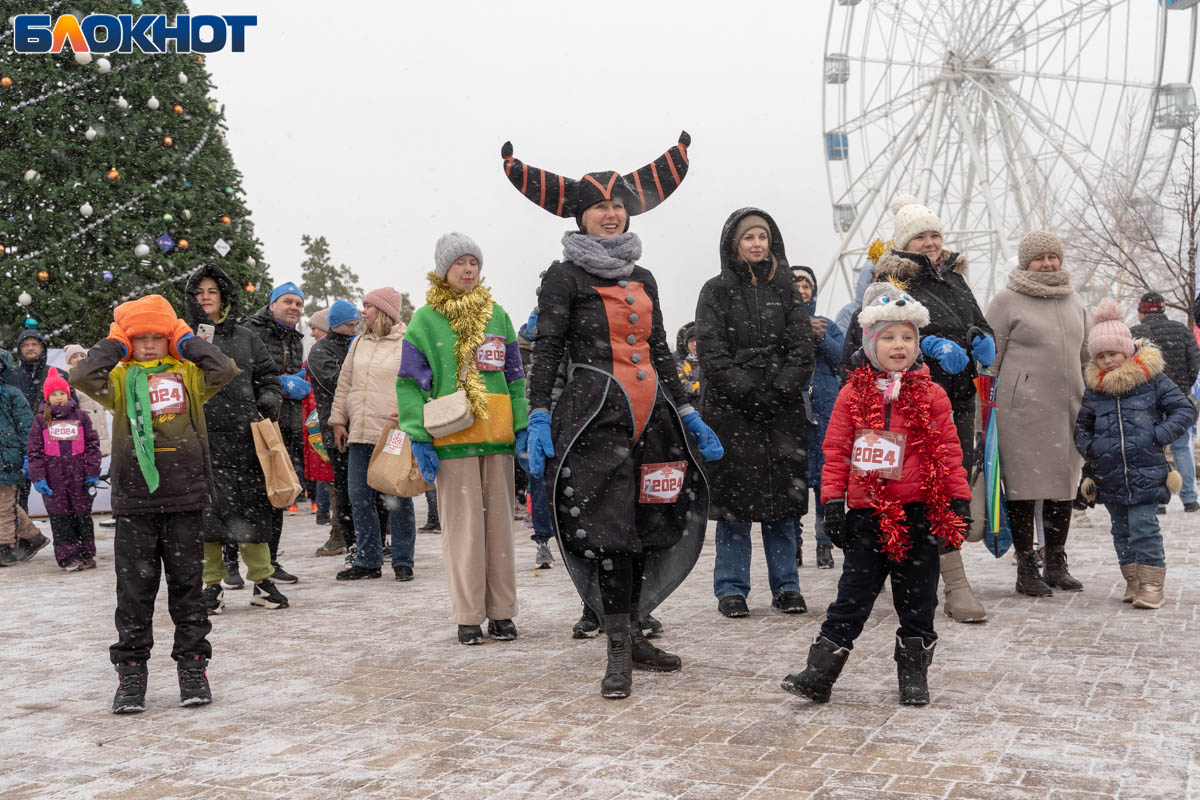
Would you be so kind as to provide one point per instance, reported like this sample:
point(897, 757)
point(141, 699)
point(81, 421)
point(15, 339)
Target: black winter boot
point(825, 662)
point(1056, 574)
point(131, 688)
point(913, 658)
point(193, 681)
point(1029, 580)
point(647, 656)
point(618, 676)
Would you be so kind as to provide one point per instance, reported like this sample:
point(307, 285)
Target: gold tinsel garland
point(468, 314)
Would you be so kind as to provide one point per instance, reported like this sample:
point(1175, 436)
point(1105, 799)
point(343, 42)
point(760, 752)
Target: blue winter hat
point(342, 312)
point(286, 288)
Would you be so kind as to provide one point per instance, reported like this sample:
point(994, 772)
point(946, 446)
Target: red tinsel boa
point(866, 411)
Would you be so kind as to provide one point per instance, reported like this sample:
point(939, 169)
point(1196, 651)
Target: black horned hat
point(640, 190)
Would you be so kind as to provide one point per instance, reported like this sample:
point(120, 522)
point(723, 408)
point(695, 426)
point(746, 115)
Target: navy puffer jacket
point(1129, 415)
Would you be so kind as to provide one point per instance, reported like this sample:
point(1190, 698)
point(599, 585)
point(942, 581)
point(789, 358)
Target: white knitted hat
point(912, 218)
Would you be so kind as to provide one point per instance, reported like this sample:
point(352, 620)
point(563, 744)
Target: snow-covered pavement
point(360, 689)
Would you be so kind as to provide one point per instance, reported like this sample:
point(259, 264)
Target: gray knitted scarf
point(1040, 284)
point(603, 257)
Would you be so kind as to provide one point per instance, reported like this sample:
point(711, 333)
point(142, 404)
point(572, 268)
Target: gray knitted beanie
point(451, 247)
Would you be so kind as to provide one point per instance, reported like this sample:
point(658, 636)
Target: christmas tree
point(115, 182)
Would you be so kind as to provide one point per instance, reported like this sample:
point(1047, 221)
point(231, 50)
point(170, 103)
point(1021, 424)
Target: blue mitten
point(43, 487)
point(427, 460)
point(984, 350)
point(706, 440)
point(522, 447)
point(91, 481)
point(295, 387)
point(949, 354)
point(540, 442)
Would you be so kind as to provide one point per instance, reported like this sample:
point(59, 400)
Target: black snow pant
point(865, 568)
point(621, 584)
point(340, 461)
point(145, 544)
point(74, 538)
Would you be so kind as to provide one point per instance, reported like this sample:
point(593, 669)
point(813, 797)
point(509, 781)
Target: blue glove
point(950, 355)
point(43, 487)
point(523, 449)
point(531, 323)
point(295, 387)
point(706, 440)
point(540, 444)
point(427, 459)
point(90, 481)
point(25, 468)
point(984, 350)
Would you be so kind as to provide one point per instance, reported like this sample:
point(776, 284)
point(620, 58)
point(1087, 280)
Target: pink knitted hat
point(386, 300)
point(1109, 333)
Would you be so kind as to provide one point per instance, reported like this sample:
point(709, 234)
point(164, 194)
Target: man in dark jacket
point(324, 365)
point(28, 376)
point(1182, 365)
point(275, 323)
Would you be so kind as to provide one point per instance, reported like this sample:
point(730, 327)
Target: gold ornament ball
point(6, 82)
point(182, 244)
point(43, 276)
point(177, 109)
point(226, 221)
point(167, 141)
point(199, 59)
point(250, 287)
point(113, 174)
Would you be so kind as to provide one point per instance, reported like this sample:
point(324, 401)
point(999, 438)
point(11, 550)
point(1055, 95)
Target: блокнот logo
point(121, 33)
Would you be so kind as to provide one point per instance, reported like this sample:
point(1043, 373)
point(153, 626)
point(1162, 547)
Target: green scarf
point(137, 408)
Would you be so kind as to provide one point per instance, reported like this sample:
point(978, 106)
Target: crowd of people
point(624, 448)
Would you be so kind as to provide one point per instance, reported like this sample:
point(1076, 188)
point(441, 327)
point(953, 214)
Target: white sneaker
point(544, 557)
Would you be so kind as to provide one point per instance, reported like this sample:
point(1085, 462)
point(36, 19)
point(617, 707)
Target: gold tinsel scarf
point(468, 314)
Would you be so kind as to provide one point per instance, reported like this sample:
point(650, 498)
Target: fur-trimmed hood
point(1141, 367)
point(903, 266)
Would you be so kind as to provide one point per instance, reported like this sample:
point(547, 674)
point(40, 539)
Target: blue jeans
point(818, 524)
point(402, 522)
point(322, 497)
point(731, 572)
point(1181, 451)
point(1136, 536)
point(543, 526)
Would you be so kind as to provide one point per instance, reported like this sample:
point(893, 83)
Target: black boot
point(647, 656)
point(1029, 580)
point(825, 662)
point(913, 658)
point(131, 688)
point(1056, 574)
point(618, 676)
point(193, 681)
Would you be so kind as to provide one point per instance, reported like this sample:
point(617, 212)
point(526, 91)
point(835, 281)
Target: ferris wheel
point(997, 115)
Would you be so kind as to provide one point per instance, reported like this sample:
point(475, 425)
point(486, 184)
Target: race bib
point(63, 431)
point(490, 355)
point(395, 443)
point(878, 453)
point(662, 483)
point(167, 395)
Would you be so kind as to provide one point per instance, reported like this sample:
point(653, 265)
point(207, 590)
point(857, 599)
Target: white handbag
point(449, 414)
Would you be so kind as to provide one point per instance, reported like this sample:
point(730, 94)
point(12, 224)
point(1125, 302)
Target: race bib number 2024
point(878, 453)
point(662, 483)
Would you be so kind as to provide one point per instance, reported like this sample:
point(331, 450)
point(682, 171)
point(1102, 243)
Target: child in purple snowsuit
point(64, 463)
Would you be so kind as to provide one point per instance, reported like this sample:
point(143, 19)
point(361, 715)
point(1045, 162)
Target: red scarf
point(866, 411)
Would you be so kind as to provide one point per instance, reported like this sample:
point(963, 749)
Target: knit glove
point(427, 460)
point(117, 334)
point(706, 440)
point(179, 334)
point(949, 354)
point(834, 524)
point(43, 487)
point(539, 444)
point(984, 350)
point(962, 508)
point(295, 387)
point(522, 448)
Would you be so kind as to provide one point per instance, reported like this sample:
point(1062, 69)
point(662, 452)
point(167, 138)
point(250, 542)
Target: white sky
point(379, 126)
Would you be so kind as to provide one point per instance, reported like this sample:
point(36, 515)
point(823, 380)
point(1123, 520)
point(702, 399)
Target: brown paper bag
point(283, 487)
point(392, 469)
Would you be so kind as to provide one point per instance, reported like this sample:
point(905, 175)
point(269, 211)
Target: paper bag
point(392, 469)
point(283, 487)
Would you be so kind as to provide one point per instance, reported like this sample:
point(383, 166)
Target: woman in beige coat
point(1041, 330)
point(365, 402)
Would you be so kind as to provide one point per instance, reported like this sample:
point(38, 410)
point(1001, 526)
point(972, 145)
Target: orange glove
point(180, 330)
point(117, 333)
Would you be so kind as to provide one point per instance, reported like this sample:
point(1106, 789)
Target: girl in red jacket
point(892, 455)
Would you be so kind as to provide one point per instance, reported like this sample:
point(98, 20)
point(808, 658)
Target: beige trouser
point(475, 503)
point(15, 523)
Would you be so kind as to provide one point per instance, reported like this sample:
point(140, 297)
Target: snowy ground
point(360, 689)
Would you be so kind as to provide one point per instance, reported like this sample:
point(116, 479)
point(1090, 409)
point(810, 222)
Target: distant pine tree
point(321, 281)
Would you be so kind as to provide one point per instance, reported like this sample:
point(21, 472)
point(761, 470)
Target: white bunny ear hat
point(885, 303)
point(912, 218)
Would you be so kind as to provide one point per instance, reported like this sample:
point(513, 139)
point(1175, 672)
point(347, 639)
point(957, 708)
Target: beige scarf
point(1040, 284)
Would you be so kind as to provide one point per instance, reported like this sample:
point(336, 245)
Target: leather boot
point(647, 656)
point(825, 662)
point(959, 603)
point(1129, 573)
point(334, 545)
point(1029, 580)
point(1055, 574)
point(618, 676)
point(913, 658)
point(1150, 586)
